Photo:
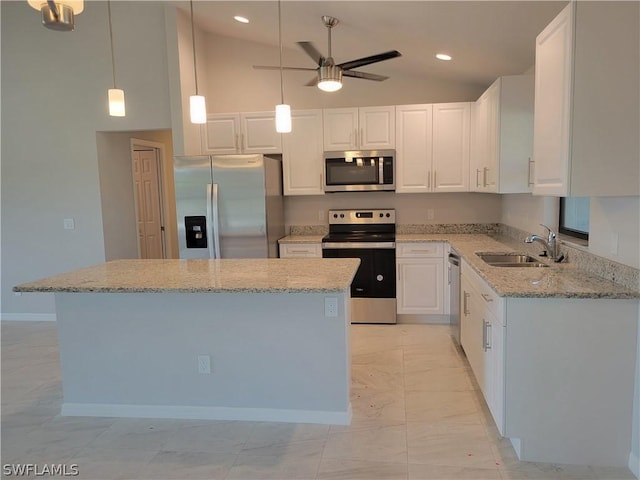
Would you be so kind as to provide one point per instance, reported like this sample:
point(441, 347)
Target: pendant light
point(58, 15)
point(197, 104)
point(116, 95)
point(283, 111)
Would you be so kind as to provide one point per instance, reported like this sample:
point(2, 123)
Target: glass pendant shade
point(197, 109)
point(283, 118)
point(116, 102)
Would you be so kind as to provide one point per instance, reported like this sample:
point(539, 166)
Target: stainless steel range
point(370, 236)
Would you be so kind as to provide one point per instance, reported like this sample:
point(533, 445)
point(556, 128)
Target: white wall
point(54, 89)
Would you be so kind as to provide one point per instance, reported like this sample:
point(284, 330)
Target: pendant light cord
point(113, 61)
point(193, 44)
point(280, 43)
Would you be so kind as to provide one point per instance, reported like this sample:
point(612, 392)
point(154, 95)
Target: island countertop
point(310, 275)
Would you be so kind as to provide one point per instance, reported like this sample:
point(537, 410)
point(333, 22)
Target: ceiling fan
point(329, 74)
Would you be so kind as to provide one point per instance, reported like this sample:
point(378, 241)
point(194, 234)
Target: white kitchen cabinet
point(364, 128)
point(482, 338)
point(432, 147)
point(300, 250)
point(420, 278)
point(553, 359)
point(241, 133)
point(502, 140)
point(586, 102)
point(302, 154)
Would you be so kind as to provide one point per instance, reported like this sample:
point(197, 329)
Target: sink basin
point(510, 260)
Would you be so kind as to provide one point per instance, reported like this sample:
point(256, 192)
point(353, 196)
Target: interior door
point(148, 203)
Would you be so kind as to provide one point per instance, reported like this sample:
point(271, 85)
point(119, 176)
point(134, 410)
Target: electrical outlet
point(330, 307)
point(204, 364)
point(322, 215)
point(613, 249)
point(430, 214)
point(69, 224)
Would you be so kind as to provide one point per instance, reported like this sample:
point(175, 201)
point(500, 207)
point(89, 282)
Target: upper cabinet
point(586, 101)
point(365, 128)
point(432, 151)
point(302, 154)
point(241, 133)
point(502, 138)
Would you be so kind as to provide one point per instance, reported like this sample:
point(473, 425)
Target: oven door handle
point(361, 245)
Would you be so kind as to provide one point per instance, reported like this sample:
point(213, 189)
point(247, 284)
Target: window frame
point(569, 231)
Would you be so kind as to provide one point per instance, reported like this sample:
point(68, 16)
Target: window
point(574, 217)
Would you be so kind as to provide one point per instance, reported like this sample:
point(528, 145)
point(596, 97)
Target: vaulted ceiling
point(486, 39)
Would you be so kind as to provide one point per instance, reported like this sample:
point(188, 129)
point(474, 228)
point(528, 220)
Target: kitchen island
point(250, 339)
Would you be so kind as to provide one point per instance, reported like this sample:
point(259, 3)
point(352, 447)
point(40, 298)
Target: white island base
point(273, 356)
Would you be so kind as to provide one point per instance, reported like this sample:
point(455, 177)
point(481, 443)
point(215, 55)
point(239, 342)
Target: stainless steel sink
point(510, 260)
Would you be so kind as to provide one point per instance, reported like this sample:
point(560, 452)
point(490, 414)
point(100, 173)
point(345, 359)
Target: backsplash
point(478, 228)
point(619, 273)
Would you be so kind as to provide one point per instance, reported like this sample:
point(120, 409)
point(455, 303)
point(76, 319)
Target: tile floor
point(417, 415)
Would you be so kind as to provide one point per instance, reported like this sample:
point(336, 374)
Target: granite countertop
point(299, 275)
point(558, 280)
point(301, 239)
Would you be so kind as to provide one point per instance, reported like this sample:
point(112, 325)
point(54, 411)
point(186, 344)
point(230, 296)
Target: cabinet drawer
point(426, 249)
point(292, 250)
point(491, 299)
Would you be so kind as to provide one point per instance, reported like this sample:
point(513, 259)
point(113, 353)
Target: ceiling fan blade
point(266, 67)
point(312, 52)
point(366, 76)
point(360, 62)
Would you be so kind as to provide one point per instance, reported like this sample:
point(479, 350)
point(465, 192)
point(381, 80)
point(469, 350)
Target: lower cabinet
point(556, 373)
point(482, 338)
point(300, 250)
point(420, 278)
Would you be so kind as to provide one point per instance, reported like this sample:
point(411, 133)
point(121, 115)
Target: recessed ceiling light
point(240, 19)
point(443, 56)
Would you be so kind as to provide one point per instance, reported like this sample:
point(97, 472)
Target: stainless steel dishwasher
point(454, 294)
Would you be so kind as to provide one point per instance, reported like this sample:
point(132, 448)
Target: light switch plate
point(69, 224)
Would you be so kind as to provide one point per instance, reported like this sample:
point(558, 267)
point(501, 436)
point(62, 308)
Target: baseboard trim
point(408, 318)
point(28, 317)
point(634, 464)
point(206, 413)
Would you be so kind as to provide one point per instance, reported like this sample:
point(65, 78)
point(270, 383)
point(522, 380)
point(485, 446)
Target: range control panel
point(350, 217)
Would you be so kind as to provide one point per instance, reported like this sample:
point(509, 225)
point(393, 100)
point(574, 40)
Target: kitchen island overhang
point(132, 333)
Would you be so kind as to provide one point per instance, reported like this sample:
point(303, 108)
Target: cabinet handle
point(487, 298)
point(361, 138)
point(477, 175)
point(465, 298)
point(484, 176)
point(434, 179)
point(429, 181)
point(486, 334)
point(300, 251)
point(529, 176)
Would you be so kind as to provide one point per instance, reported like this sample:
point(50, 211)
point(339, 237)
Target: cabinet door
point(497, 367)
point(413, 148)
point(340, 129)
point(450, 162)
point(259, 133)
point(377, 128)
point(302, 154)
point(479, 145)
point(221, 134)
point(472, 330)
point(552, 105)
point(420, 286)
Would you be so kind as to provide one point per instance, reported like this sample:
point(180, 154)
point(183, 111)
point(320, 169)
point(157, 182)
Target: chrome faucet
point(550, 243)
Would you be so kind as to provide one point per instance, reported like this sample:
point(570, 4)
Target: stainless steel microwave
point(358, 171)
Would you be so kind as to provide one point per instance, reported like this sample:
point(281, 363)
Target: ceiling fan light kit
point(329, 75)
point(58, 15)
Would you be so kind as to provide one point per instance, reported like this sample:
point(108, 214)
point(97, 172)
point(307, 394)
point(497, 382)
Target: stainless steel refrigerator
point(229, 206)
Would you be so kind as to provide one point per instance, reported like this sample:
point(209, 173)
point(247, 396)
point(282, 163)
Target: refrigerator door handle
point(213, 220)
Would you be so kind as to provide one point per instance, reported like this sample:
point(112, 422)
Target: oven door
point(373, 290)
